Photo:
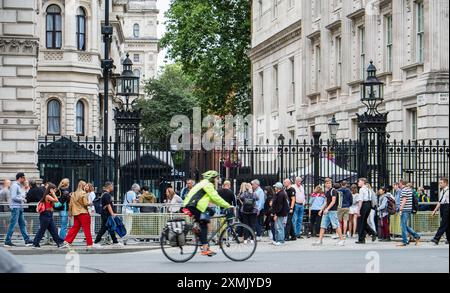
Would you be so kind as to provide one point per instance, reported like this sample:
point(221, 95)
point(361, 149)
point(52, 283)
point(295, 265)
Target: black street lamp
point(127, 83)
point(333, 127)
point(372, 91)
point(107, 65)
point(372, 131)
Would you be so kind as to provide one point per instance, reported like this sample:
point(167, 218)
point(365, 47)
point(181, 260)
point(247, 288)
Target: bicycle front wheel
point(233, 244)
point(179, 254)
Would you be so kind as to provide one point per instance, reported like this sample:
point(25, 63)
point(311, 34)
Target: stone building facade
point(309, 58)
point(50, 74)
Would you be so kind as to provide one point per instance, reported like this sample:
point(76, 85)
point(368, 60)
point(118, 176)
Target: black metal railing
point(157, 164)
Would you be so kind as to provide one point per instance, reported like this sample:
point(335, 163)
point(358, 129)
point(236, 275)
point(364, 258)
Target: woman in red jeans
point(78, 209)
point(384, 214)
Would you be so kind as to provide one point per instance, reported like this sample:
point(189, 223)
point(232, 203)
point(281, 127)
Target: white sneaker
point(278, 243)
point(334, 236)
point(317, 243)
point(340, 243)
point(118, 244)
point(259, 238)
point(97, 245)
point(245, 241)
point(274, 242)
point(252, 241)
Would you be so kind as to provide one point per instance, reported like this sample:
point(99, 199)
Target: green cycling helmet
point(210, 174)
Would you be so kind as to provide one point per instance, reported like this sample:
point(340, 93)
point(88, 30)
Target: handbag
point(40, 207)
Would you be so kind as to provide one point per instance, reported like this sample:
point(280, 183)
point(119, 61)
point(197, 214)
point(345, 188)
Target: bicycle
point(181, 244)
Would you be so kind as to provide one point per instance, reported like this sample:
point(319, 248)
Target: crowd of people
point(346, 211)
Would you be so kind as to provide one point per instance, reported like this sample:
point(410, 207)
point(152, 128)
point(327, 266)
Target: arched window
point(53, 27)
point(80, 118)
point(81, 29)
point(136, 30)
point(54, 117)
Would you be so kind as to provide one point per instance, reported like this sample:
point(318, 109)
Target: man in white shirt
point(365, 208)
point(299, 208)
point(443, 207)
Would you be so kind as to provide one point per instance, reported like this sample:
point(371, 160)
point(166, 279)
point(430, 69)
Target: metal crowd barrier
point(150, 225)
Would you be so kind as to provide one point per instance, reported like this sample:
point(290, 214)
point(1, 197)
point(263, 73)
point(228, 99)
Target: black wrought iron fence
point(158, 165)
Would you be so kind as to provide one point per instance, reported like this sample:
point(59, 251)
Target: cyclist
point(196, 205)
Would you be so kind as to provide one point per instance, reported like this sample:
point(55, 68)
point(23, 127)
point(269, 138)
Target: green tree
point(168, 95)
point(211, 39)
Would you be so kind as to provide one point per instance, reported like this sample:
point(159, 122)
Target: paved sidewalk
point(306, 244)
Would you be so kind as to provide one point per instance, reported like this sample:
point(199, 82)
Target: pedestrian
point(17, 211)
point(268, 222)
point(34, 195)
point(189, 185)
point(108, 210)
point(249, 209)
point(354, 210)
point(383, 204)
point(90, 190)
point(5, 200)
point(79, 210)
point(46, 218)
point(442, 206)
point(147, 198)
point(344, 209)
point(317, 200)
point(5, 196)
point(424, 199)
point(371, 221)
point(227, 194)
point(299, 208)
point(329, 213)
point(405, 209)
point(173, 200)
point(63, 206)
point(398, 186)
point(131, 198)
point(364, 213)
point(256, 186)
point(280, 210)
point(290, 191)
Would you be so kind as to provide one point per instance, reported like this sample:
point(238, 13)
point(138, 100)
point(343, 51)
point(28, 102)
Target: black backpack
point(248, 204)
point(98, 204)
point(391, 207)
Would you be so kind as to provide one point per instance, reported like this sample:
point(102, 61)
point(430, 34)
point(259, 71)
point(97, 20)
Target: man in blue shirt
point(260, 206)
point(185, 190)
point(17, 213)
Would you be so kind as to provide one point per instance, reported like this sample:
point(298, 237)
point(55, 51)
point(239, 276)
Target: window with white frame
point(338, 66)
point(292, 67)
point(261, 92)
point(54, 117)
point(53, 27)
point(81, 29)
point(275, 98)
point(136, 30)
point(420, 31)
point(412, 122)
point(389, 47)
point(79, 118)
point(136, 58)
point(318, 64)
point(274, 9)
point(362, 51)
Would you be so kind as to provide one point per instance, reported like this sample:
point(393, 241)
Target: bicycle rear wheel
point(179, 254)
point(233, 246)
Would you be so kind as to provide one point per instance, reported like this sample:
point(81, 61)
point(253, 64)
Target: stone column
point(70, 24)
point(398, 36)
point(93, 22)
point(18, 123)
point(436, 36)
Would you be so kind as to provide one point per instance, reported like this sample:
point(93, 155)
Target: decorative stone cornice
point(18, 46)
point(279, 40)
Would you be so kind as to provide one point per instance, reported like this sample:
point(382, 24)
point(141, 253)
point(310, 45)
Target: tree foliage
point(211, 39)
point(168, 95)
